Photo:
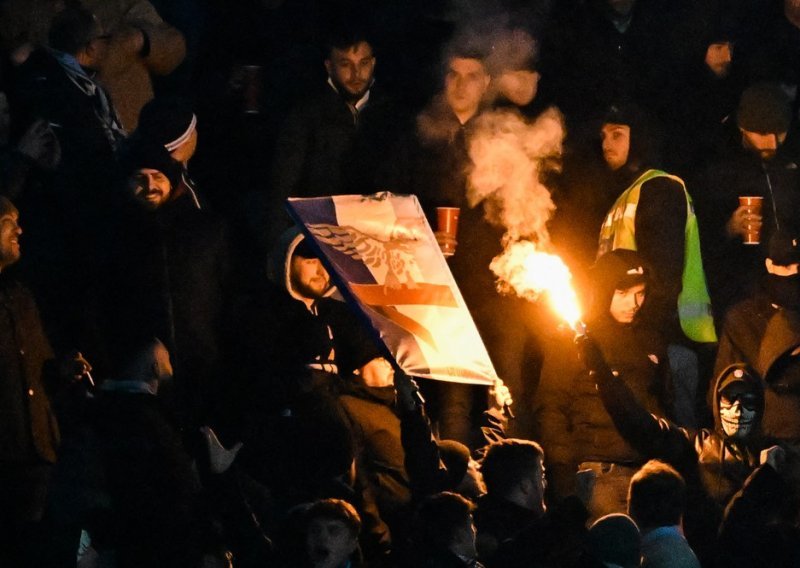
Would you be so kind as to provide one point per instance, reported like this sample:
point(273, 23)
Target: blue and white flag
point(384, 257)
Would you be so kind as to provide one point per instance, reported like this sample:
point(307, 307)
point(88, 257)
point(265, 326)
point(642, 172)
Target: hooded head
point(628, 142)
point(619, 283)
point(295, 266)
point(738, 402)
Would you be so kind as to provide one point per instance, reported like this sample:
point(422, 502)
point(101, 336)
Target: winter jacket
point(170, 277)
point(764, 335)
point(734, 269)
point(574, 426)
point(28, 430)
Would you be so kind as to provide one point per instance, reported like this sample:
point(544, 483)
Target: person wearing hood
point(764, 331)
point(654, 215)
point(715, 462)
point(169, 269)
point(573, 425)
point(299, 335)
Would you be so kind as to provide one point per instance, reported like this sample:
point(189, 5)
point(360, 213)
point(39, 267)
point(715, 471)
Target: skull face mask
point(737, 411)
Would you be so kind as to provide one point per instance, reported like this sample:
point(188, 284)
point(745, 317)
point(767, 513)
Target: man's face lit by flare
point(309, 277)
point(738, 410)
point(465, 85)
point(625, 304)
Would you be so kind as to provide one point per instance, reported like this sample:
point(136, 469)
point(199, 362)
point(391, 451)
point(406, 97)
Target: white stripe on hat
point(175, 144)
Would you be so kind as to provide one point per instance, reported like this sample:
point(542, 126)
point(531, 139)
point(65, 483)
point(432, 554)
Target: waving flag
point(384, 256)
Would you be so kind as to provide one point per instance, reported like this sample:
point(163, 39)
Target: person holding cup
point(748, 194)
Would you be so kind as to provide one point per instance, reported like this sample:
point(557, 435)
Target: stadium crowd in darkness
point(180, 387)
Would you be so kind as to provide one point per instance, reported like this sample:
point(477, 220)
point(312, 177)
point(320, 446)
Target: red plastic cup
point(447, 223)
point(753, 203)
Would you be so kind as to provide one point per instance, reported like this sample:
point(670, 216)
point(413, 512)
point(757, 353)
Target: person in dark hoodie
point(298, 346)
point(715, 462)
point(573, 425)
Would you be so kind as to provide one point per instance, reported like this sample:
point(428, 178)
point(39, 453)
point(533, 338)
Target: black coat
point(153, 488)
point(574, 426)
point(763, 335)
point(324, 149)
point(733, 269)
point(169, 277)
point(28, 429)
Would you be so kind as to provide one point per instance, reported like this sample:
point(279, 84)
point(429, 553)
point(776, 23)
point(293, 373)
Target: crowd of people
point(182, 385)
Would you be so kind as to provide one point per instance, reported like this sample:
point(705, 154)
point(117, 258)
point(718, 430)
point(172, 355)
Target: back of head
point(139, 357)
point(72, 29)
point(616, 540)
point(441, 519)
point(656, 496)
point(508, 462)
point(455, 457)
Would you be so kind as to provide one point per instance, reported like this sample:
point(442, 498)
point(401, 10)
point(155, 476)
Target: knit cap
point(167, 121)
point(141, 155)
point(764, 108)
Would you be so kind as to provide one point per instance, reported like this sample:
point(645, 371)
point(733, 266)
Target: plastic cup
point(447, 223)
point(753, 203)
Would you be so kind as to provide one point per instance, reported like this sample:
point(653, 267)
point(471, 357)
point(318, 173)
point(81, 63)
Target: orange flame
point(530, 273)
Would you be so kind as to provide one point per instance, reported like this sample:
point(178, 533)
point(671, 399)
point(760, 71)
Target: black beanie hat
point(616, 270)
point(167, 121)
point(764, 108)
point(143, 155)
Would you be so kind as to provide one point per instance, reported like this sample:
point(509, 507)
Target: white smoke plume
point(509, 157)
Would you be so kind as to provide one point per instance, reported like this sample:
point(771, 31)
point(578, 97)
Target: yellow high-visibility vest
point(619, 231)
